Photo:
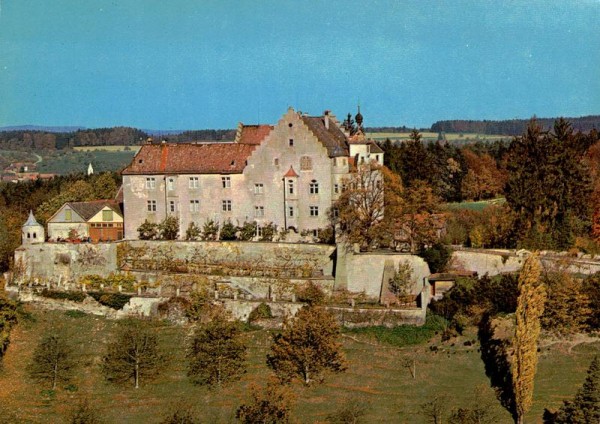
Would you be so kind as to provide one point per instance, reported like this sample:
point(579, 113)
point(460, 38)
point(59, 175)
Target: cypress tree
point(585, 408)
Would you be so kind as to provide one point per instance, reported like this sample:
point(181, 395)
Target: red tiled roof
point(185, 158)
point(291, 173)
point(253, 134)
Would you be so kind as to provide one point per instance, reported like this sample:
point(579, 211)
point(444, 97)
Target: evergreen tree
point(530, 307)
point(585, 408)
point(217, 353)
point(53, 360)
point(134, 354)
point(307, 347)
point(169, 228)
point(567, 309)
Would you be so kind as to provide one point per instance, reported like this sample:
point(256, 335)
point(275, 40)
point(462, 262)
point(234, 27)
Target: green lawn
point(476, 206)
point(375, 376)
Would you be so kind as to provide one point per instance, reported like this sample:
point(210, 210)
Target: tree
point(148, 230)
point(270, 405)
point(104, 186)
point(307, 347)
point(548, 197)
point(8, 319)
point(352, 411)
point(169, 228)
point(591, 286)
point(567, 309)
point(369, 201)
point(217, 354)
point(53, 359)
point(210, 230)
point(530, 307)
point(181, 415)
point(585, 408)
point(193, 232)
point(134, 354)
point(435, 410)
point(402, 281)
point(228, 231)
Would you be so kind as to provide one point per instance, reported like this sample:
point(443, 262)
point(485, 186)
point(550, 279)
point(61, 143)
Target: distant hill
point(41, 128)
point(511, 127)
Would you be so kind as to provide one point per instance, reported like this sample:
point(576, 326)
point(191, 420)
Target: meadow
point(376, 376)
point(433, 136)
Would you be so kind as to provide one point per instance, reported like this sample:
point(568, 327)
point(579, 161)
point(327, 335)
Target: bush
point(436, 256)
point(169, 228)
point(67, 295)
point(268, 232)
point(228, 231)
point(113, 300)
point(248, 231)
point(148, 230)
point(262, 311)
point(210, 230)
point(311, 293)
point(193, 232)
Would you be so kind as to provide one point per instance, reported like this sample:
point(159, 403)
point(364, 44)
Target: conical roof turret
point(31, 221)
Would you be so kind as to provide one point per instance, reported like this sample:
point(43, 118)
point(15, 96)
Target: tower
point(32, 231)
point(90, 169)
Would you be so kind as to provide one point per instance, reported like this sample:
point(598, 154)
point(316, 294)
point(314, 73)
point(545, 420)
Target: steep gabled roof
point(333, 138)
point(185, 158)
point(87, 210)
point(252, 134)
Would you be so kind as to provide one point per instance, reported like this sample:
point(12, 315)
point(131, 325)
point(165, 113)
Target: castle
point(288, 175)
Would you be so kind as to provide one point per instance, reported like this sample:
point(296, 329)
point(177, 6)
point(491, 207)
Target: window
point(259, 231)
point(314, 187)
point(194, 205)
point(315, 233)
point(290, 125)
point(68, 215)
point(107, 215)
point(291, 211)
point(171, 184)
point(172, 207)
point(290, 186)
point(194, 182)
point(276, 161)
point(150, 183)
point(151, 205)
point(314, 211)
point(305, 163)
point(226, 205)
point(335, 212)
point(226, 181)
point(291, 142)
point(34, 235)
point(259, 211)
point(336, 188)
point(376, 158)
point(258, 188)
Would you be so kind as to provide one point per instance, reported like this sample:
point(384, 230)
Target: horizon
point(181, 66)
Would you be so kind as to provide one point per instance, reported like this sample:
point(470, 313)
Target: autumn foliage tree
point(567, 310)
point(307, 347)
point(483, 180)
point(369, 200)
point(270, 405)
point(530, 307)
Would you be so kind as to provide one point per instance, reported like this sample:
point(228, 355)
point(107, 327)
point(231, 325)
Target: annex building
point(288, 174)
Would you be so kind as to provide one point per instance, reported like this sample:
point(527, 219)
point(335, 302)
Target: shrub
point(248, 231)
point(262, 311)
point(268, 232)
point(311, 293)
point(148, 230)
point(169, 228)
point(67, 295)
point(193, 232)
point(326, 235)
point(112, 300)
point(228, 231)
point(210, 230)
point(436, 256)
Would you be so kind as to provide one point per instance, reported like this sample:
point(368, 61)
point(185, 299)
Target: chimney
point(326, 116)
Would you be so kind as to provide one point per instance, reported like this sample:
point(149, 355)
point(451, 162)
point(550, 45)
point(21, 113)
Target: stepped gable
point(186, 158)
point(252, 134)
point(332, 138)
point(87, 210)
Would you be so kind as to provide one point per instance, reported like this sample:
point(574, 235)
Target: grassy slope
point(374, 375)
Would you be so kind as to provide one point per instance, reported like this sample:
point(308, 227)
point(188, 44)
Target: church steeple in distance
point(359, 119)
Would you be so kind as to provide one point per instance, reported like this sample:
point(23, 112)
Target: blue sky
point(183, 64)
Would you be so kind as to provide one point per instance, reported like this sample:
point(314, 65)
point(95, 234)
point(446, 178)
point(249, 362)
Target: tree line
point(512, 127)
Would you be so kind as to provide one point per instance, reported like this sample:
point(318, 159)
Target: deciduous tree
point(567, 310)
point(217, 354)
point(307, 347)
point(270, 405)
point(134, 354)
point(530, 307)
point(53, 359)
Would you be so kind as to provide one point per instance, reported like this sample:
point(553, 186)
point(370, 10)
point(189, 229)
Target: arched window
point(291, 186)
point(305, 163)
point(314, 187)
point(34, 235)
point(28, 235)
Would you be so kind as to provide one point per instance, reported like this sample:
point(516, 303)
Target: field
point(67, 162)
point(106, 148)
point(375, 377)
point(475, 206)
point(432, 136)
